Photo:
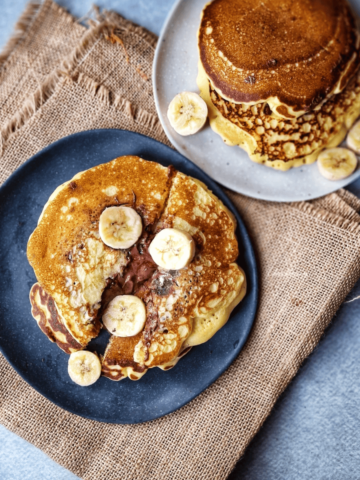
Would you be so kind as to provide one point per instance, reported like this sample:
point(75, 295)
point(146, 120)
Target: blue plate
point(41, 363)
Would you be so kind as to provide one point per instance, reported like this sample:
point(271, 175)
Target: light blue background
point(314, 430)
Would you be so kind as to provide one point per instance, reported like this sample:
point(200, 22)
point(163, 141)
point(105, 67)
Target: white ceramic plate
point(175, 71)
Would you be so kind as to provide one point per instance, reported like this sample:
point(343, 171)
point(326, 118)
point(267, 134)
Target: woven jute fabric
point(308, 257)
point(43, 36)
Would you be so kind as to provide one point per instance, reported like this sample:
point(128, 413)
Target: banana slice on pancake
point(125, 316)
point(187, 113)
point(120, 227)
point(337, 163)
point(84, 368)
point(172, 249)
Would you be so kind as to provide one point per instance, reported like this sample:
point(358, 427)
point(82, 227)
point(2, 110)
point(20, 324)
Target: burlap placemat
point(308, 255)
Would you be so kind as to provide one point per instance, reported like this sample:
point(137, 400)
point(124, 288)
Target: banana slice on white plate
point(125, 316)
point(187, 113)
point(337, 163)
point(353, 138)
point(172, 249)
point(84, 368)
point(120, 227)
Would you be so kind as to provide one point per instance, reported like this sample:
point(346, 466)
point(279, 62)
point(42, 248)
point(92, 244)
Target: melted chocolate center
point(140, 268)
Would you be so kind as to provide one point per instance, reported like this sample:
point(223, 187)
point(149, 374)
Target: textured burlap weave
point(57, 78)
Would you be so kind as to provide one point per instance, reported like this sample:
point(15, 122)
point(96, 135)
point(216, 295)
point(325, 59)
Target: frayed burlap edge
point(48, 88)
point(333, 202)
point(320, 213)
point(122, 24)
point(350, 199)
point(20, 30)
point(30, 106)
point(326, 216)
point(36, 100)
point(138, 114)
point(34, 11)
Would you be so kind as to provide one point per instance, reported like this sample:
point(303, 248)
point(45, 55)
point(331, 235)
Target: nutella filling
point(142, 278)
point(140, 268)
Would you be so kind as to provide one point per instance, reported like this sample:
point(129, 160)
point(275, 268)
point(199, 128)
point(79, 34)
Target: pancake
point(291, 54)
point(277, 142)
point(118, 363)
point(68, 256)
point(281, 95)
point(225, 288)
point(221, 283)
point(191, 207)
point(70, 261)
point(44, 311)
point(118, 360)
point(199, 298)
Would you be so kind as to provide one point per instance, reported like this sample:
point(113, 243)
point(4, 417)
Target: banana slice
point(187, 113)
point(84, 368)
point(125, 316)
point(120, 227)
point(172, 249)
point(353, 138)
point(337, 163)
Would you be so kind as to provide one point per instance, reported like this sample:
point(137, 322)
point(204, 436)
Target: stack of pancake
point(79, 275)
point(280, 77)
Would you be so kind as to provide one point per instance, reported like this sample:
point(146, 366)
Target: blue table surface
point(314, 429)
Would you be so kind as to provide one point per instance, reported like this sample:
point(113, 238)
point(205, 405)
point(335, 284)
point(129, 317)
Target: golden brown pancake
point(70, 261)
point(292, 54)
point(280, 78)
point(191, 305)
point(297, 140)
point(223, 289)
point(68, 256)
point(118, 361)
point(191, 207)
point(220, 284)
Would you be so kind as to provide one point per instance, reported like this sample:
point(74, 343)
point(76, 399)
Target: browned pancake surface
point(297, 50)
point(289, 139)
point(118, 358)
point(164, 198)
point(193, 208)
point(67, 239)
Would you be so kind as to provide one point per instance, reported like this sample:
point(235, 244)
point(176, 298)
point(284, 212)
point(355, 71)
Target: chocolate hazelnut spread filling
point(142, 278)
point(140, 268)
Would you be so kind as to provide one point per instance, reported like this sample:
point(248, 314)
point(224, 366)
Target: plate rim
point(252, 194)
point(245, 238)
